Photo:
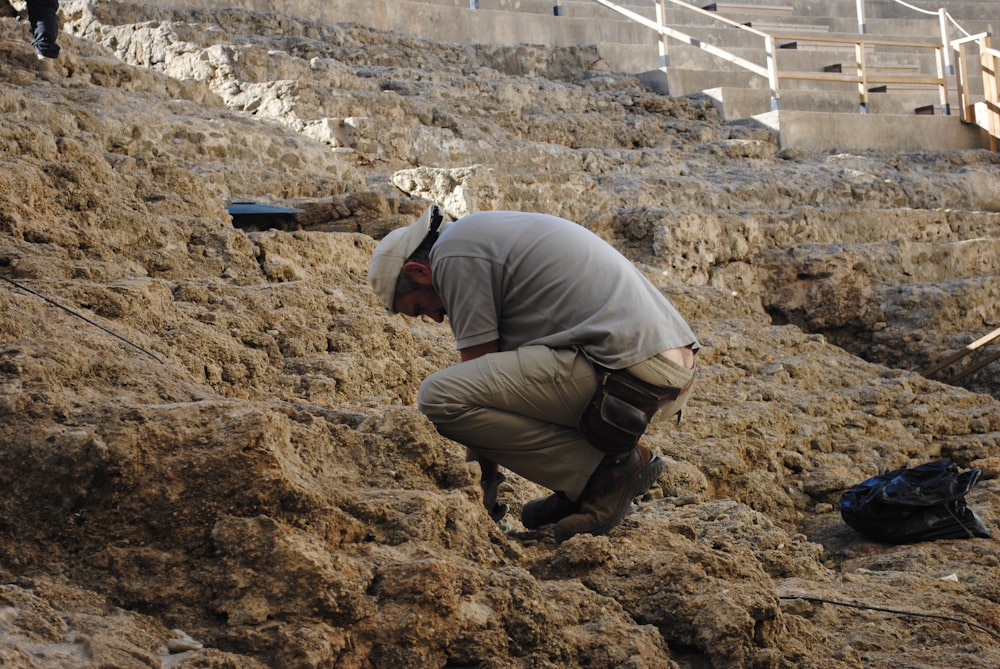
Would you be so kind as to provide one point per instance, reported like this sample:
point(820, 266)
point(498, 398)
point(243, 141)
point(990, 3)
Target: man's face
point(421, 302)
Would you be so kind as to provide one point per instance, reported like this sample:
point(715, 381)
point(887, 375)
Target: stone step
point(909, 262)
point(839, 223)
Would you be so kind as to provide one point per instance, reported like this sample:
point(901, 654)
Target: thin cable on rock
point(80, 316)
point(896, 611)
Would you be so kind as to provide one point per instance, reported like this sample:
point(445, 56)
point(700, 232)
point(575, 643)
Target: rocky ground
point(231, 473)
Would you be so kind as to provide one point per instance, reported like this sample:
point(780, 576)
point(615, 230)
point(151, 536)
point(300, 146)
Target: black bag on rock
point(921, 503)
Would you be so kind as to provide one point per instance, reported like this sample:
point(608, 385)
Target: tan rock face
point(245, 481)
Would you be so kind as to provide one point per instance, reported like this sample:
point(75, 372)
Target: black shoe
point(46, 49)
point(607, 499)
point(547, 510)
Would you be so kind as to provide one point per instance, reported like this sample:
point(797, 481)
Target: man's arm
point(471, 353)
point(479, 350)
point(491, 478)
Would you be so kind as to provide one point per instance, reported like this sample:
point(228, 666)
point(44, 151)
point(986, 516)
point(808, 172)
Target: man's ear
point(419, 271)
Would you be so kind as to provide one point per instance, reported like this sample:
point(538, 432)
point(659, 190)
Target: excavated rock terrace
point(231, 473)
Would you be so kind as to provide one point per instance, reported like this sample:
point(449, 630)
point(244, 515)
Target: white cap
point(390, 254)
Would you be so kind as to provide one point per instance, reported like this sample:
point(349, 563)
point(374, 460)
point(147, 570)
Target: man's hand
point(491, 490)
point(490, 480)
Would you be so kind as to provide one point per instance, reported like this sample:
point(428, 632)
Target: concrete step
point(732, 37)
point(767, 16)
point(984, 10)
point(690, 57)
point(912, 26)
point(685, 82)
point(679, 20)
point(960, 9)
point(482, 26)
point(843, 17)
point(576, 9)
point(738, 103)
point(822, 131)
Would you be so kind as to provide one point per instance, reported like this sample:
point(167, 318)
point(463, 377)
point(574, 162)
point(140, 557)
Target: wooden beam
point(958, 355)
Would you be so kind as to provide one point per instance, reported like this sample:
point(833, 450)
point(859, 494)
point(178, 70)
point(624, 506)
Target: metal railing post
point(862, 26)
point(949, 69)
point(661, 19)
point(772, 73)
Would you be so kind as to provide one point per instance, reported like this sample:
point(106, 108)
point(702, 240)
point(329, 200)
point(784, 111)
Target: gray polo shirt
point(532, 279)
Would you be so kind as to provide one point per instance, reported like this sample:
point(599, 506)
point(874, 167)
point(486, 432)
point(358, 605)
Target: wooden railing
point(968, 350)
point(866, 77)
point(861, 75)
point(989, 65)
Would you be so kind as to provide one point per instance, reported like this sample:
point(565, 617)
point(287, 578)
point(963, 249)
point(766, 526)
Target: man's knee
point(431, 400)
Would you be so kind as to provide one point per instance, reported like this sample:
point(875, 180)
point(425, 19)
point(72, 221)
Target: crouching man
point(567, 352)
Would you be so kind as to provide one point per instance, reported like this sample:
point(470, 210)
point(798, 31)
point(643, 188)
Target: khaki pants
point(662, 372)
point(520, 409)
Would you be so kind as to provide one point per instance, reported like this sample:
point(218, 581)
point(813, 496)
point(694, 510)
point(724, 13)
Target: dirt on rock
point(209, 451)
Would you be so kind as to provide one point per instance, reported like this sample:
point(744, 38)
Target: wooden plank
point(867, 41)
point(974, 368)
point(872, 78)
point(958, 355)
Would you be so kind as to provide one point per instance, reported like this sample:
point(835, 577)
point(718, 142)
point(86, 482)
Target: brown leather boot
point(547, 510)
point(610, 491)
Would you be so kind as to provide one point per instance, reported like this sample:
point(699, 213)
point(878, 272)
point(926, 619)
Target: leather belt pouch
point(620, 410)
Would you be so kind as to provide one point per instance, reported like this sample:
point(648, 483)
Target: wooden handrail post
point(962, 83)
point(859, 54)
point(991, 88)
point(940, 52)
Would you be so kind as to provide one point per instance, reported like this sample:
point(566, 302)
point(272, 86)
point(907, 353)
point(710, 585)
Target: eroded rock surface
point(245, 482)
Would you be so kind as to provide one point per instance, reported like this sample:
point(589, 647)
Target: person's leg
point(519, 409)
point(610, 492)
point(619, 479)
point(44, 19)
